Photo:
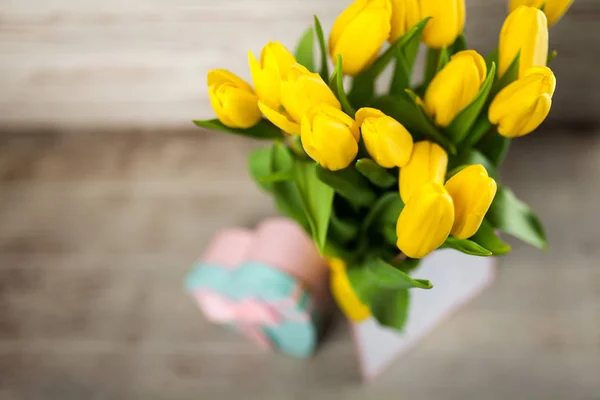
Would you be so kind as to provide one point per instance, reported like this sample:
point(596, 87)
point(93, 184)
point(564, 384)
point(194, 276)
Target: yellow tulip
point(455, 86)
point(472, 192)
point(523, 105)
point(359, 32)
point(329, 137)
point(446, 24)
point(554, 9)
point(428, 163)
point(386, 140)
point(405, 15)
point(426, 220)
point(525, 30)
point(344, 294)
point(275, 60)
point(232, 99)
point(300, 91)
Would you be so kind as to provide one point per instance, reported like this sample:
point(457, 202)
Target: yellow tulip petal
point(428, 163)
point(344, 294)
point(455, 87)
point(327, 137)
point(279, 119)
point(387, 141)
point(472, 192)
point(241, 107)
point(405, 15)
point(426, 220)
point(525, 30)
point(219, 77)
point(446, 24)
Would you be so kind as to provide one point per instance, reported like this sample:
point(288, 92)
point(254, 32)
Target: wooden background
point(142, 63)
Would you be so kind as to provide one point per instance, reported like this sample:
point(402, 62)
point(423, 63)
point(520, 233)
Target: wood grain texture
point(142, 63)
point(97, 231)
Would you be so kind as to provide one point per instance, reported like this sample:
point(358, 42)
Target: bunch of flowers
point(380, 180)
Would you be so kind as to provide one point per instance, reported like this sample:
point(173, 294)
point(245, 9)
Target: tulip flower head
point(554, 9)
point(428, 163)
point(405, 15)
point(386, 140)
point(359, 32)
point(525, 32)
point(472, 192)
point(446, 24)
point(330, 137)
point(523, 105)
point(275, 60)
point(455, 86)
point(344, 294)
point(300, 91)
point(426, 220)
point(232, 99)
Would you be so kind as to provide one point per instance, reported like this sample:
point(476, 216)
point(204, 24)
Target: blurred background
point(108, 194)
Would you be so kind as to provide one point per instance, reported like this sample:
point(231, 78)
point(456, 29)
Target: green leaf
point(343, 230)
point(511, 75)
point(491, 58)
point(375, 173)
point(305, 50)
point(321, 39)
point(404, 109)
point(263, 130)
point(510, 215)
point(391, 307)
point(361, 281)
point(349, 183)
point(459, 44)
point(462, 124)
point(259, 166)
point(435, 62)
point(278, 177)
point(389, 234)
point(363, 84)
point(409, 264)
point(336, 83)
point(466, 246)
point(495, 147)
point(481, 128)
point(388, 277)
point(472, 157)
point(486, 237)
point(391, 206)
point(405, 61)
point(317, 201)
point(384, 208)
point(286, 194)
point(553, 54)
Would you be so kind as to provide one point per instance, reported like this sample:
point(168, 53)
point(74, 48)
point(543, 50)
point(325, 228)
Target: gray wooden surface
point(143, 63)
point(97, 230)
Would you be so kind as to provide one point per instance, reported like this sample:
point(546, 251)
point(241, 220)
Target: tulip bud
point(455, 86)
point(232, 99)
point(386, 140)
point(405, 15)
point(525, 30)
point(472, 192)
point(359, 32)
point(300, 91)
point(446, 24)
point(554, 9)
point(426, 220)
point(344, 294)
point(329, 137)
point(275, 60)
point(428, 163)
point(523, 105)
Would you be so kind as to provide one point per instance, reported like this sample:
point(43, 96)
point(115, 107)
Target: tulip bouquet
point(380, 180)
